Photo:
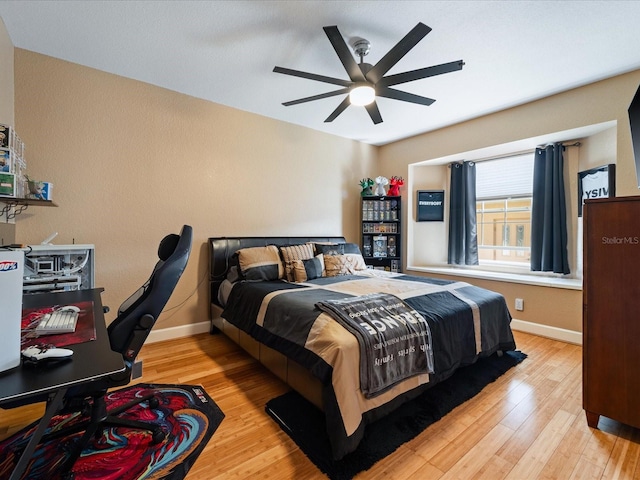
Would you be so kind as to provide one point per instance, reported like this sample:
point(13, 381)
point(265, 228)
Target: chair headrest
point(126, 333)
point(167, 246)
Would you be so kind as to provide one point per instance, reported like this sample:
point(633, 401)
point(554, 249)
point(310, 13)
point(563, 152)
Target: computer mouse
point(45, 353)
point(73, 308)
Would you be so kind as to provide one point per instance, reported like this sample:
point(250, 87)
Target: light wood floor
point(529, 424)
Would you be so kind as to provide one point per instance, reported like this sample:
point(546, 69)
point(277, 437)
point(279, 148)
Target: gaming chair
point(127, 334)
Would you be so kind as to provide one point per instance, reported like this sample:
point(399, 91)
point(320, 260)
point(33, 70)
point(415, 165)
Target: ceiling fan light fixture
point(367, 82)
point(362, 94)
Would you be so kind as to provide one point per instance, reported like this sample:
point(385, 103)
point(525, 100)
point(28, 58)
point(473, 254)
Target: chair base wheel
point(157, 437)
point(154, 403)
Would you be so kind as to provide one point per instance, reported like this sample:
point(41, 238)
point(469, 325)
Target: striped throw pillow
point(290, 254)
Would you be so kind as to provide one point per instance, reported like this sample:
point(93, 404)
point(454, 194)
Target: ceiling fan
point(368, 81)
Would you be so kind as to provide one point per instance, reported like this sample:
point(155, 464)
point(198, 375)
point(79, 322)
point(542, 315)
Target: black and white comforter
point(465, 322)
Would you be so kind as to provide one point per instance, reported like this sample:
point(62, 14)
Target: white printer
point(11, 272)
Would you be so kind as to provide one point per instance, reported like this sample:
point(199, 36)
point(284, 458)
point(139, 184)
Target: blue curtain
point(549, 212)
point(463, 235)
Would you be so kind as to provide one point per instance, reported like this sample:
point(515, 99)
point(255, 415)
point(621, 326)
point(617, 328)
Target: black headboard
point(221, 249)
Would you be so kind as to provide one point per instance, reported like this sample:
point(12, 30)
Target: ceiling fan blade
point(313, 76)
point(420, 73)
point(403, 96)
point(394, 55)
point(341, 108)
point(374, 113)
point(344, 54)
point(316, 97)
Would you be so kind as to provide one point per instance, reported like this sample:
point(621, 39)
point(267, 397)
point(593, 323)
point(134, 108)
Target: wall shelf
point(15, 206)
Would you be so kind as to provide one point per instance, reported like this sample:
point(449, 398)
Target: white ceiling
point(225, 51)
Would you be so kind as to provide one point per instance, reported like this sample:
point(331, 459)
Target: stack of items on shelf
point(379, 209)
point(379, 228)
point(13, 166)
point(382, 246)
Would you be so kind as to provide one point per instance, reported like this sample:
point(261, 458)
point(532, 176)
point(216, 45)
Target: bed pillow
point(354, 257)
point(290, 254)
point(329, 248)
point(224, 290)
point(355, 261)
point(308, 269)
point(335, 265)
point(233, 275)
point(351, 248)
point(260, 263)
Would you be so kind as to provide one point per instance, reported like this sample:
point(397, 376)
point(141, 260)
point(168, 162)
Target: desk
point(91, 361)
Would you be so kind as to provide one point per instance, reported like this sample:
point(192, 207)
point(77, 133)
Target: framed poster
point(379, 246)
point(599, 182)
point(430, 206)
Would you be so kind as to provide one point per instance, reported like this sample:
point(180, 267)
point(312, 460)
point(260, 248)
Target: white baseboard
point(555, 333)
point(170, 333)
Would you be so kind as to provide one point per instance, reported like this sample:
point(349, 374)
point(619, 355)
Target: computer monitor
point(634, 123)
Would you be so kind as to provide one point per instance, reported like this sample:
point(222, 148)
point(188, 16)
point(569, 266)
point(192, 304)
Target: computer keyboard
point(60, 321)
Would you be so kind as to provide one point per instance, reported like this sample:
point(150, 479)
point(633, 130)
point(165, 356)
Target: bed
point(269, 294)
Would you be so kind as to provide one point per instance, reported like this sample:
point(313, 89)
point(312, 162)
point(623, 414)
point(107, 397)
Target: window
point(503, 209)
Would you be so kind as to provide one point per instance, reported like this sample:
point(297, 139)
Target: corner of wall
point(7, 82)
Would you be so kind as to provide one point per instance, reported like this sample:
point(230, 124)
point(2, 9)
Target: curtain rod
point(574, 144)
point(495, 157)
point(512, 154)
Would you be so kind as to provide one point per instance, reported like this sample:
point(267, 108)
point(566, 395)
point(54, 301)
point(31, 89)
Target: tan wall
point(427, 247)
point(6, 77)
point(596, 103)
point(597, 149)
point(131, 162)
point(592, 104)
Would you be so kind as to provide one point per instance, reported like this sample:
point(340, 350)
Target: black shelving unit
point(381, 229)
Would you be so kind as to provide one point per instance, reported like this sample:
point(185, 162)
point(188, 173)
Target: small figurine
point(395, 184)
point(367, 186)
point(380, 184)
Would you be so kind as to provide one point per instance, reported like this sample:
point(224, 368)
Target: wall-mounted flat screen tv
point(634, 123)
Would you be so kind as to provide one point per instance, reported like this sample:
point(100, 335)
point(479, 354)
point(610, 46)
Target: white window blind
point(505, 177)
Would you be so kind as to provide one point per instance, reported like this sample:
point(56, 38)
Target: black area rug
point(188, 416)
point(305, 424)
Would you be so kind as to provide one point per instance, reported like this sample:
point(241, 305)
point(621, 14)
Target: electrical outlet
point(519, 304)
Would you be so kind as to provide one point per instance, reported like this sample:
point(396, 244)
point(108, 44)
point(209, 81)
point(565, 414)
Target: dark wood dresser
point(611, 310)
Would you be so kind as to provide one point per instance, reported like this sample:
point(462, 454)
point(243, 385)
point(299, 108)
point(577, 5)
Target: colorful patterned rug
point(186, 413)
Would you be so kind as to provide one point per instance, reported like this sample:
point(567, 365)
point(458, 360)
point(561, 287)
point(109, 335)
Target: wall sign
point(597, 182)
point(430, 206)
